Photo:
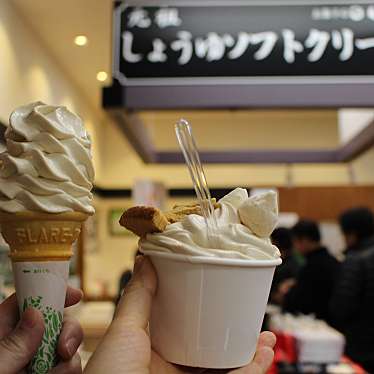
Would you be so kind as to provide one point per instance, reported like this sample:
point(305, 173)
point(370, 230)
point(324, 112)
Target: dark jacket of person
point(288, 269)
point(314, 285)
point(352, 304)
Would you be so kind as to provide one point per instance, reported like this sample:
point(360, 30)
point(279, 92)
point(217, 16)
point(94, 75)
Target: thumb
point(134, 307)
point(126, 346)
point(18, 348)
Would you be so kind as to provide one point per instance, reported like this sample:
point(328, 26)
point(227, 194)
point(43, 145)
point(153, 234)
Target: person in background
point(291, 264)
point(311, 292)
point(352, 303)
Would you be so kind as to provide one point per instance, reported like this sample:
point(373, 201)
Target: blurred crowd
point(312, 281)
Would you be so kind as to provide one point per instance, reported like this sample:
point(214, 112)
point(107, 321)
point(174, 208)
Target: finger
point(73, 366)
point(263, 357)
point(159, 365)
point(70, 338)
point(17, 349)
point(267, 339)
point(126, 343)
point(9, 315)
point(264, 354)
point(73, 296)
point(261, 363)
point(135, 305)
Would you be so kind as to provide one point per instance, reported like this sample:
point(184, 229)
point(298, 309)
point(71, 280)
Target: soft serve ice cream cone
point(46, 176)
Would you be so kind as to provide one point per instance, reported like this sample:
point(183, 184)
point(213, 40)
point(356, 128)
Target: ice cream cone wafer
point(36, 236)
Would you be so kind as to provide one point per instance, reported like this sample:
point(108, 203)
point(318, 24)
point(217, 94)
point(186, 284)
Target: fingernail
point(27, 320)
point(70, 347)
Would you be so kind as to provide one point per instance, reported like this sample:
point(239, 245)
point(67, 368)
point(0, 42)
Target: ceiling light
point(80, 40)
point(101, 76)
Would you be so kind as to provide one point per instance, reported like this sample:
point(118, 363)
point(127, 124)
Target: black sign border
point(237, 81)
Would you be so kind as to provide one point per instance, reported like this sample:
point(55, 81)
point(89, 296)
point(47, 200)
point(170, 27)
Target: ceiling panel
point(58, 22)
point(247, 129)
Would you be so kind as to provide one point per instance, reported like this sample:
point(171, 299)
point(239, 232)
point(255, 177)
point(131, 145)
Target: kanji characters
point(213, 48)
point(138, 17)
point(318, 41)
point(291, 46)
point(127, 53)
point(158, 53)
point(352, 12)
point(357, 13)
point(183, 44)
point(166, 17)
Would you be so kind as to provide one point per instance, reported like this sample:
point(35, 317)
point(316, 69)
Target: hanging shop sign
point(258, 43)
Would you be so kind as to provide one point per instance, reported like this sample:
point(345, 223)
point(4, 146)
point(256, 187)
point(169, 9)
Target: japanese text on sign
point(215, 47)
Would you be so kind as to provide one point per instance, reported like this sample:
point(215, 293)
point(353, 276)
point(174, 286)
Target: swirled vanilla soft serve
point(244, 228)
point(47, 166)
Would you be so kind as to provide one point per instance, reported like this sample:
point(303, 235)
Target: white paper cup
point(208, 312)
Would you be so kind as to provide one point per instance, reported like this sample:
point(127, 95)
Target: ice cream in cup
point(210, 302)
point(46, 176)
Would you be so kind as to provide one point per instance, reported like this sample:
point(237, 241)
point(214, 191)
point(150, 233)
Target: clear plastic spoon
point(187, 144)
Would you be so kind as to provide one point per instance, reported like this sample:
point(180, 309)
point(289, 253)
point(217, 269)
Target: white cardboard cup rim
point(215, 260)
